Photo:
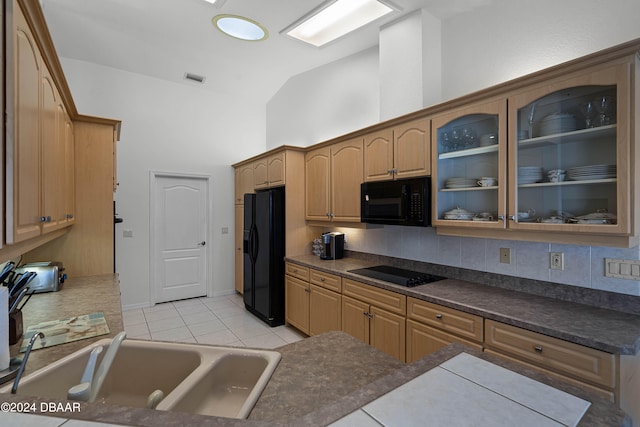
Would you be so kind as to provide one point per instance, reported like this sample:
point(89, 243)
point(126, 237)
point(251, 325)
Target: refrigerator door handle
point(255, 242)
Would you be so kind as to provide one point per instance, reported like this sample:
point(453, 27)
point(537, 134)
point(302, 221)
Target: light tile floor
point(219, 321)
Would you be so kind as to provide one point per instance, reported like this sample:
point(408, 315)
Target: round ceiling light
point(240, 27)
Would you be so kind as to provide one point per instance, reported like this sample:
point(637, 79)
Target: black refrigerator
point(263, 247)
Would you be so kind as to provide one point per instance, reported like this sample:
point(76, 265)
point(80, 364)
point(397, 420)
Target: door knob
point(202, 243)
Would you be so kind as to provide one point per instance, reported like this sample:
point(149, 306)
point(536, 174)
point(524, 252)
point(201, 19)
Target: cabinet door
point(243, 182)
point(52, 148)
point(423, 340)
point(276, 169)
point(69, 169)
point(317, 184)
point(325, 308)
point(297, 303)
point(261, 173)
point(355, 321)
point(378, 156)
point(23, 167)
point(569, 154)
point(412, 149)
point(388, 332)
point(346, 172)
point(469, 177)
point(238, 242)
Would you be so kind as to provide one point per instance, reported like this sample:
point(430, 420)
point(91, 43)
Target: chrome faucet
point(35, 336)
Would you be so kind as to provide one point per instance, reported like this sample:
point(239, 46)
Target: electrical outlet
point(505, 255)
point(127, 233)
point(556, 260)
point(225, 230)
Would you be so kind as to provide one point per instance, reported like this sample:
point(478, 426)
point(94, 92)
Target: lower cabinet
point(312, 300)
point(431, 327)
point(375, 316)
point(423, 340)
point(592, 369)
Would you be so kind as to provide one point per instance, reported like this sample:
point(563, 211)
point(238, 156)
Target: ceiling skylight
point(335, 18)
point(240, 27)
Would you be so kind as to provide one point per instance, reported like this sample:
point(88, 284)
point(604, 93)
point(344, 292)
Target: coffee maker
point(332, 245)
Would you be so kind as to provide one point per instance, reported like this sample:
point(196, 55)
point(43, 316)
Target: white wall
point(172, 128)
point(511, 38)
point(326, 102)
point(492, 44)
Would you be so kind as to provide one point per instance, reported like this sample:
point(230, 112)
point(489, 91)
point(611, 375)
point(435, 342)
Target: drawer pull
point(438, 316)
point(538, 349)
point(322, 279)
point(295, 270)
point(307, 290)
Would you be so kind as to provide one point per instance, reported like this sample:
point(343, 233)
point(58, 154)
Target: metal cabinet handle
point(45, 218)
point(322, 279)
point(369, 315)
point(538, 349)
point(307, 290)
point(69, 216)
point(438, 316)
point(512, 217)
point(202, 243)
point(500, 217)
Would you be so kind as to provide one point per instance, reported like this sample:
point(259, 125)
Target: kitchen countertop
point(603, 329)
point(321, 379)
point(318, 381)
point(79, 296)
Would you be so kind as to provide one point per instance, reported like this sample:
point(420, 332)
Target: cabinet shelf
point(446, 190)
point(582, 135)
point(566, 183)
point(469, 152)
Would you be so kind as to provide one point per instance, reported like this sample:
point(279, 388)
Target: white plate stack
point(461, 182)
point(529, 174)
point(585, 173)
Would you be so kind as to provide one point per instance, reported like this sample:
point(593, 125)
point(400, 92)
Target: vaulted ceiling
point(165, 39)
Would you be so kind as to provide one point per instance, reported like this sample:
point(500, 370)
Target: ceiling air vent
point(194, 77)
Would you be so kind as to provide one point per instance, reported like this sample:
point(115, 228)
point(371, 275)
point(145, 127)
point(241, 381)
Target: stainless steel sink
point(208, 380)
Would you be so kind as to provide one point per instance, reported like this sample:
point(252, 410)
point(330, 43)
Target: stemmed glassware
point(605, 106)
point(588, 110)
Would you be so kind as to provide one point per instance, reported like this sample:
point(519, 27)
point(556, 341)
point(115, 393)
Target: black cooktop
point(398, 276)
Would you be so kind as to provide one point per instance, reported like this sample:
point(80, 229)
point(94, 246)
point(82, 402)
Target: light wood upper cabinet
point(69, 168)
point(23, 196)
point(243, 182)
point(333, 178)
point(461, 159)
point(318, 184)
point(412, 149)
point(400, 152)
point(269, 171)
point(378, 155)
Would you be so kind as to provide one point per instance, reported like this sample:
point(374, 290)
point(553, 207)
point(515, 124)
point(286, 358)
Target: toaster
point(50, 276)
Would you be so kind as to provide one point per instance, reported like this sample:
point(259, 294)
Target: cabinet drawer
point(571, 359)
point(423, 340)
point(448, 319)
point(382, 298)
point(296, 270)
point(325, 280)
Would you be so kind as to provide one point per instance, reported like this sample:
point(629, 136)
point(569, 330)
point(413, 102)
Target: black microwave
point(399, 202)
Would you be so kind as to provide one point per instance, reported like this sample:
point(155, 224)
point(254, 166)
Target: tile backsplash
point(584, 266)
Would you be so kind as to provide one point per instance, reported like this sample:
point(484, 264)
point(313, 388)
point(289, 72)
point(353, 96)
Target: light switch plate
point(622, 268)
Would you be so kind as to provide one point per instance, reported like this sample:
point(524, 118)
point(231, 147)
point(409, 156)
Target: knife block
point(15, 327)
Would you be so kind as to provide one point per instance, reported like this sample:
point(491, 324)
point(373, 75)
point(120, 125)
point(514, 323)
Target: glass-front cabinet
point(469, 177)
point(569, 154)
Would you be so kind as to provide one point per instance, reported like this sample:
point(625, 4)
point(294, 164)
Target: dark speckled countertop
point(600, 328)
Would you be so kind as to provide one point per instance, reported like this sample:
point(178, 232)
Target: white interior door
point(179, 236)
